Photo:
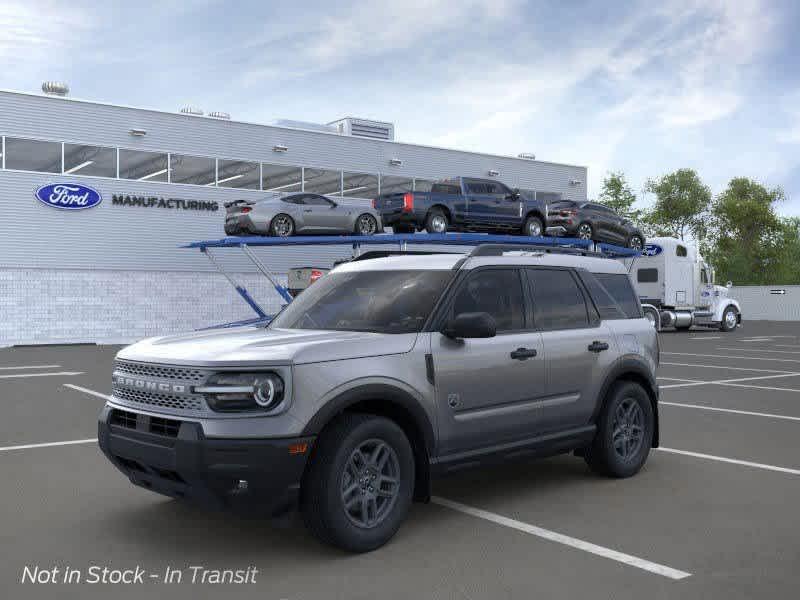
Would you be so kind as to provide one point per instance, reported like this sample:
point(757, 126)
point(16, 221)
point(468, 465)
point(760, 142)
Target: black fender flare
point(636, 368)
point(379, 392)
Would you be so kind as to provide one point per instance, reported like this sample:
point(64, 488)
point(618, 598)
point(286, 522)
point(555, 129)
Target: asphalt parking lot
point(713, 514)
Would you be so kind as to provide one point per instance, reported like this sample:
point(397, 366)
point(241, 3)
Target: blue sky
point(644, 87)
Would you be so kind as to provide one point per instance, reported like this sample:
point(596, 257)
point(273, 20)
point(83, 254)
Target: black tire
point(534, 224)
point(434, 219)
point(404, 228)
point(321, 499)
point(728, 323)
point(636, 242)
point(583, 228)
point(361, 227)
point(603, 456)
point(276, 225)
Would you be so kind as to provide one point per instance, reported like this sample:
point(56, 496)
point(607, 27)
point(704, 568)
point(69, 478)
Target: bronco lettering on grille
point(152, 386)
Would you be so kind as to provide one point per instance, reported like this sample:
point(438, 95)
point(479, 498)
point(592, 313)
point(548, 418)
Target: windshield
point(378, 301)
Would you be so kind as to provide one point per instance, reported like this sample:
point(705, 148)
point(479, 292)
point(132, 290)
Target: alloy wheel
point(628, 429)
point(439, 224)
point(635, 243)
point(282, 226)
point(366, 225)
point(370, 483)
point(730, 319)
point(585, 231)
point(534, 228)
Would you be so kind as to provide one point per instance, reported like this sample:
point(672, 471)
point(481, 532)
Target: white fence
point(768, 302)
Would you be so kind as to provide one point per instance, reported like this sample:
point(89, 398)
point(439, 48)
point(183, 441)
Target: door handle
point(308, 210)
point(523, 353)
point(597, 346)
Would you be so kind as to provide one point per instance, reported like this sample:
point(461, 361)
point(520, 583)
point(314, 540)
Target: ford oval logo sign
point(652, 250)
point(68, 196)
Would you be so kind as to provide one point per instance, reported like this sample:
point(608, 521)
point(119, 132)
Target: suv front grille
point(161, 372)
point(123, 418)
point(173, 402)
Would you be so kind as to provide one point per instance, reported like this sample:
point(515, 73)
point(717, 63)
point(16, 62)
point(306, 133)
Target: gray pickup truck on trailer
point(385, 373)
point(464, 204)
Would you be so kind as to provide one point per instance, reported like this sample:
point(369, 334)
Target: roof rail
point(500, 249)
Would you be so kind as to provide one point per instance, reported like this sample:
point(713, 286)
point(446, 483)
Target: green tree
point(681, 205)
point(749, 243)
point(618, 195)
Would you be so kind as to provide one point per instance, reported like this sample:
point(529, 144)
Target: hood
point(252, 346)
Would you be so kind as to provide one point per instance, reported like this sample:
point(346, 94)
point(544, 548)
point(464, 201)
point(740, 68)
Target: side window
point(680, 251)
point(494, 291)
point(491, 188)
point(703, 276)
point(317, 200)
point(647, 275)
point(474, 187)
point(295, 199)
point(618, 285)
point(558, 302)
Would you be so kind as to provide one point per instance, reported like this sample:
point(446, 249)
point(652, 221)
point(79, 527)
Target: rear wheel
point(730, 319)
point(624, 432)
point(533, 227)
point(436, 222)
point(366, 224)
point(585, 231)
point(358, 487)
point(282, 225)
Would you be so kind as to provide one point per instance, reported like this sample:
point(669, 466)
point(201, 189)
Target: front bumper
point(173, 457)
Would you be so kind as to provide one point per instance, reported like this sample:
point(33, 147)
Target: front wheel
point(585, 231)
point(730, 319)
point(533, 227)
point(635, 242)
point(358, 487)
point(366, 224)
point(624, 432)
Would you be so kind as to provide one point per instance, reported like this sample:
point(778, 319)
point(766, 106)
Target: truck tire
point(436, 221)
point(730, 319)
point(282, 225)
point(534, 227)
point(359, 485)
point(624, 432)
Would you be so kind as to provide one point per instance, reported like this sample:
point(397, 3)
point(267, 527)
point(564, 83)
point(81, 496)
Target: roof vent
point(303, 125)
point(192, 110)
point(55, 88)
point(527, 155)
point(216, 114)
point(376, 130)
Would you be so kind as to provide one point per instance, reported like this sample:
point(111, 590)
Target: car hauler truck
point(676, 288)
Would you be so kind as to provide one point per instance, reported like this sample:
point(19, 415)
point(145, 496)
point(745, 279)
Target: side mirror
point(514, 195)
point(333, 204)
point(471, 325)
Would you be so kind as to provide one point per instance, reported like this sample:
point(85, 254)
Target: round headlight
point(268, 391)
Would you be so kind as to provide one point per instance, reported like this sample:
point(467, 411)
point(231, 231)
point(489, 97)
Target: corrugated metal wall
point(768, 303)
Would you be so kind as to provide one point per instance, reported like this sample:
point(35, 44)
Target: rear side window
point(558, 302)
point(680, 251)
point(620, 289)
point(494, 291)
point(647, 275)
point(445, 188)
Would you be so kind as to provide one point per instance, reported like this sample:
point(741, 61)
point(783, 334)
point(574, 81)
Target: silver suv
point(385, 373)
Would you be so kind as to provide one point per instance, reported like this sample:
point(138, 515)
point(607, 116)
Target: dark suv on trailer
point(385, 373)
point(593, 221)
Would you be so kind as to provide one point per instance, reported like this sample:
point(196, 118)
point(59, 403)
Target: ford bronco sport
point(385, 373)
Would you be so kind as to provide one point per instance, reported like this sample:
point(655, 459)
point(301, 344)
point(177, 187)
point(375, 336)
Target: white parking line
point(64, 373)
point(760, 387)
point(727, 367)
point(676, 379)
point(734, 461)
point(30, 367)
point(794, 360)
point(713, 337)
point(87, 391)
point(786, 345)
point(47, 445)
point(730, 410)
point(726, 381)
point(553, 536)
point(759, 350)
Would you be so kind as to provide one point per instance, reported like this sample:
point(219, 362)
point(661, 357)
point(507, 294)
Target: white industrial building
point(114, 272)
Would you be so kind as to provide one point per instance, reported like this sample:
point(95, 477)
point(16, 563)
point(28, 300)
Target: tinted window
point(497, 292)
point(620, 288)
point(703, 276)
point(33, 155)
point(446, 188)
point(238, 174)
point(557, 300)
point(680, 251)
point(379, 301)
point(144, 166)
point(280, 178)
point(476, 188)
point(647, 275)
point(196, 170)
point(90, 160)
point(323, 181)
point(295, 199)
point(316, 201)
point(607, 306)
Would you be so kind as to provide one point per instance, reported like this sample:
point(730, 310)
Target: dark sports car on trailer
point(593, 221)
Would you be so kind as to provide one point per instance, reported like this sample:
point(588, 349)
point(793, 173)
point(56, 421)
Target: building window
point(144, 166)
point(90, 160)
point(33, 155)
point(238, 174)
point(195, 170)
point(396, 185)
point(323, 181)
point(360, 185)
point(280, 178)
